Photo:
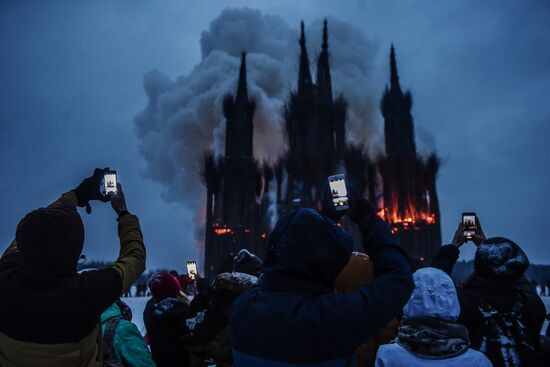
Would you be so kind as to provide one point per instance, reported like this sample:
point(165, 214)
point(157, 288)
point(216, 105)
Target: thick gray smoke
point(184, 117)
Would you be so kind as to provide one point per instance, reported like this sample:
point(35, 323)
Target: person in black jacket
point(294, 316)
point(165, 318)
point(497, 293)
point(50, 314)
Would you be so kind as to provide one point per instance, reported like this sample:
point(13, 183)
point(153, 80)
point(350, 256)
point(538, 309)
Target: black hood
point(50, 241)
point(306, 252)
point(499, 258)
point(248, 263)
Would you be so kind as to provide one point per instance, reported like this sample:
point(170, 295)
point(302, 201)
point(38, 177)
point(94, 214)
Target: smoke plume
point(183, 117)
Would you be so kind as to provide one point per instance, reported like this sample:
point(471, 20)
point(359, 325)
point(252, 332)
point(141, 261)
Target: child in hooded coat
point(429, 334)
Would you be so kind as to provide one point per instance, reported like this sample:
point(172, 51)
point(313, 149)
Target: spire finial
point(302, 35)
point(394, 76)
point(323, 68)
point(304, 74)
point(325, 35)
point(242, 90)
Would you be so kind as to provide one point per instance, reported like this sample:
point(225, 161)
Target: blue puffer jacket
point(294, 317)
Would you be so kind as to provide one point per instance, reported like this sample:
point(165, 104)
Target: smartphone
point(109, 183)
point(339, 192)
point(469, 224)
point(192, 269)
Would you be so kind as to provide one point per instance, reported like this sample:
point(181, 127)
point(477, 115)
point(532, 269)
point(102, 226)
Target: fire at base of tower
point(244, 195)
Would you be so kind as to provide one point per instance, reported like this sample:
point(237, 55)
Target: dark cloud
point(71, 84)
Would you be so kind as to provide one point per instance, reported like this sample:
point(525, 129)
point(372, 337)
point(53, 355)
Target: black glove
point(89, 189)
point(358, 205)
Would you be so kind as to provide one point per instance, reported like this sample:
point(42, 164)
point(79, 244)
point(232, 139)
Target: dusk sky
point(72, 90)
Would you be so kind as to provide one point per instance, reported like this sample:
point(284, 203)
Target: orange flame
point(220, 231)
point(411, 218)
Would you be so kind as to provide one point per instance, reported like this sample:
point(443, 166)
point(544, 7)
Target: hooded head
point(306, 252)
point(501, 259)
point(434, 295)
point(164, 285)
point(248, 263)
point(50, 241)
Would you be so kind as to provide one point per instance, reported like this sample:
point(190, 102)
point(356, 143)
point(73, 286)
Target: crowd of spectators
point(312, 301)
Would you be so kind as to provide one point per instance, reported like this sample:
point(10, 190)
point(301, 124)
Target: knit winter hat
point(164, 285)
point(50, 241)
point(500, 258)
point(248, 263)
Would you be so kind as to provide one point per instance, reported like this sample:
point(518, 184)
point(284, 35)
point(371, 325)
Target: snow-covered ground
point(137, 304)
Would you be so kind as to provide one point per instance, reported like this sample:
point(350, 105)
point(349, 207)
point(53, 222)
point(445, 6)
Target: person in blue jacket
point(294, 317)
point(123, 343)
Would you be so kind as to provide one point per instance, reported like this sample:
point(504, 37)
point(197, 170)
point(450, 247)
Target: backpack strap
point(125, 310)
point(108, 338)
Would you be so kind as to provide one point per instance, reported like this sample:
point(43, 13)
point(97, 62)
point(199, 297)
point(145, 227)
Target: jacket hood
point(248, 263)
point(501, 259)
point(112, 311)
point(306, 251)
point(171, 309)
point(434, 295)
point(50, 241)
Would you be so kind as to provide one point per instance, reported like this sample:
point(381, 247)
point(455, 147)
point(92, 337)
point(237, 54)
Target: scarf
point(433, 338)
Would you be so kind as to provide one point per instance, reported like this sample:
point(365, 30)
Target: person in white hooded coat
point(429, 334)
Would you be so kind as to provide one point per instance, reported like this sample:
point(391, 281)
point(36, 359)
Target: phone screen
point(109, 182)
point(469, 224)
point(339, 192)
point(192, 269)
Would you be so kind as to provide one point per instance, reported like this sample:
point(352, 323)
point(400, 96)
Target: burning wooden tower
point(409, 202)
point(235, 205)
point(315, 131)
point(401, 183)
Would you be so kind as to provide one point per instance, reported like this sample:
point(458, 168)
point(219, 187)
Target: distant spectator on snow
point(122, 342)
point(165, 317)
point(127, 293)
point(429, 335)
point(49, 314)
point(294, 317)
point(499, 306)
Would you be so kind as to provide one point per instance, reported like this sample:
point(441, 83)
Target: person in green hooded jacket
point(125, 345)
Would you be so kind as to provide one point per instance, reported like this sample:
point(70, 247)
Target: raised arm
point(131, 259)
point(362, 313)
point(105, 286)
point(447, 256)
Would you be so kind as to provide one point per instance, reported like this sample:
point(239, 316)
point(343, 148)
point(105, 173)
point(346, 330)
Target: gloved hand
point(89, 189)
point(118, 201)
point(358, 205)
